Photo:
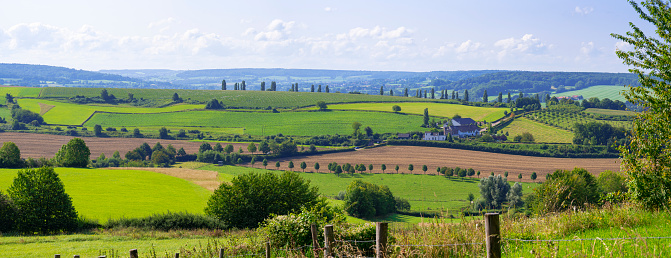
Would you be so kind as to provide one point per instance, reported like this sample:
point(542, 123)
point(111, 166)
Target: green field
point(103, 194)
point(424, 192)
point(600, 91)
point(566, 120)
point(610, 112)
point(435, 109)
point(20, 92)
point(75, 114)
point(541, 132)
point(254, 123)
point(242, 99)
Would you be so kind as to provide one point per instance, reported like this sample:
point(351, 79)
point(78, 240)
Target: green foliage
point(39, 195)
point(647, 158)
point(163, 133)
point(515, 196)
point(8, 214)
point(564, 189)
point(253, 197)
point(168, 221)
point(611, 182)
point(204, 147)
point(10, 156)
point(597, 133)
point(26, 116)
point(214, 104)
point(401, 204)
point(493, 191)
point(98, 130)
point(293, 230)
point(396, 108)
point(322, 105)
point(366, 200)
point(73, 154)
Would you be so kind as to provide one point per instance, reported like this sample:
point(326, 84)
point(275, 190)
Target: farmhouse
point(434, 136)
point(462, 127)
point(403, 136)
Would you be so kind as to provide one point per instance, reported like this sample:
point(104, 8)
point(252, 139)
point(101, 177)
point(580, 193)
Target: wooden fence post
point(381, 239)
point(221, 253)
point(57, 256)
point(493, 235)
point(176, 255)
point(76, 256)
point(133, 253)
point(328, 240)
point(315, 240)
point(267, 249)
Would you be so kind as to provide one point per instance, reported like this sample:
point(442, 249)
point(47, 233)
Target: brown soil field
point(485, 162)
point(46, 145)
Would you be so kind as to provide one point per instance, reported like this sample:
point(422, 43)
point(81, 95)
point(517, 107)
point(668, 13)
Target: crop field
point(241, 99)
point(435, 109)
point(600, 91)
point(255, 123)
point(19, 92)
point(75, 114)
point(610, 112)
point(541, 132)
point(424, 192)
point(566, 120)
point(486, 162)
point(46, 145)
point(103, 194)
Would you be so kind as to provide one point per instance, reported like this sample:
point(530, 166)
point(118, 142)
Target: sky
point(389, 35)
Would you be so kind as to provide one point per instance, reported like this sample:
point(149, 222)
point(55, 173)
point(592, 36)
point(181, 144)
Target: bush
point(402, 204)
point(564, 189)
point(493, 191)
point(293, 230)
point(366, 200)
point(253, 197)
point(10, 156)
point(168, 221)
point(73, 154)
point(7, 214)
point(43, 205)
point(611, 182)
point(26, 116)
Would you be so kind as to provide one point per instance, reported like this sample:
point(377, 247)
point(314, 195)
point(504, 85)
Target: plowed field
point(485, 162)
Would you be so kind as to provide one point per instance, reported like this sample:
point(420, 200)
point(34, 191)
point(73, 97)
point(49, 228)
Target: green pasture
point(241, 99)
point(75, 114)
point(424, 192)
point(600, 91)
point(541, 132)
point(20, 92)
point(435, 109)
point(105, 193)
point(255, 123)
point(610, 112)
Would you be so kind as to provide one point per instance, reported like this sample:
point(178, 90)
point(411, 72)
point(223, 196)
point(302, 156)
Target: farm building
point(434, 136)
point(403, 136)
point(462, 127)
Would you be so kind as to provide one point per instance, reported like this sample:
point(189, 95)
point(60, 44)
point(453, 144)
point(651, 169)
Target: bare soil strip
point(485, 162)
point(44, 108)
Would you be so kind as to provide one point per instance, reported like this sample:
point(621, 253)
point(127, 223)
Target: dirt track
point(46, 145)
point(485, 162)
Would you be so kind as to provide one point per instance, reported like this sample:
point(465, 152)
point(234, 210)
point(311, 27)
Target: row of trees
point(273, 87)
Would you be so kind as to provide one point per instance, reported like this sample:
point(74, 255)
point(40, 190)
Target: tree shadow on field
point(463, 179)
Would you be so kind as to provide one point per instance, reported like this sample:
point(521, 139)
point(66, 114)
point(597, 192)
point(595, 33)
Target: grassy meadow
point(102, 194)
point(541, 132)
point(600, 91)
point(21, 92)
point(435, 109)
point(256, 123)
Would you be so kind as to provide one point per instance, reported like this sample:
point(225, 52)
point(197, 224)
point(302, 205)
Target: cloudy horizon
point(342, 35)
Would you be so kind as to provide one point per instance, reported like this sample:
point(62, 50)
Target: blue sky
point(546, 35)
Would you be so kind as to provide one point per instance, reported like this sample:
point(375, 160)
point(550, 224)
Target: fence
point(492, 241)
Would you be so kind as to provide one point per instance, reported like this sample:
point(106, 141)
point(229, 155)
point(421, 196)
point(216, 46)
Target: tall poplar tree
point(223, 84)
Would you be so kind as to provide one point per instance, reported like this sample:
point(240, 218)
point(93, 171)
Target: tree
point(136, 133)
point(73, 154)
point(223, 84)
point(42, 204)
point(505, 174)
point(98, 130)
point(163, 133)
point(425, 168)
point(366, 200)
point(322, 105)
point(303, 166)
point(466, 95)
point(291, 165)
point(478, 174)
point(10, 156)
point(369, 131)
point(519, 176)
point(319, 88)
point(391, 92)
point(176, 98)
point(160, 158)
point(338, 170)
point(426, 117)
point(218, 147)
point(405, 92)
point(396, 108)
point(356, 126)
point(277, 165)
point(228, 149)
point(493, 191)
point(205, 147)
point(509, 98)
point(370, 168)
point(243, 86)
point(9, 98)
point(273, 86)
point(485, 98)
point(327, 89)
point(396, 168)
point(533, 176)
point(564, 189)
point(462, 174)
point(251, 147)
point(514, 196)
point(381, 90)
point(383, 167)
point(500, 98)
point(262, 195)
point(263, 147)
point(265, 163)
point(411, 168)
point(317, 166)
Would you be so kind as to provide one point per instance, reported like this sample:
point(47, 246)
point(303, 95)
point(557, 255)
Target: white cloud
point(624, 46)
point(468, 46)
point(527, 45)
point(275, 31)
point(328, 9)
point(584, 10)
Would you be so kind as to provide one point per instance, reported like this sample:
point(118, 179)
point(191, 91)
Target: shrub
point(169, 221)
point(43, 205)
point(253, 197)
point(493, 191)
point(7, 214)
point(73, 154)
point(366, 200)
point(10, 156)
point(515, 196)
point(402, 204)
point(564, 189)
point(611, 182)
point(110, 129)
point(293, 230)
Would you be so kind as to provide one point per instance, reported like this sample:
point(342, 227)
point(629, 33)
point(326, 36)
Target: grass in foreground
point(102, 194)
point(541, 132)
